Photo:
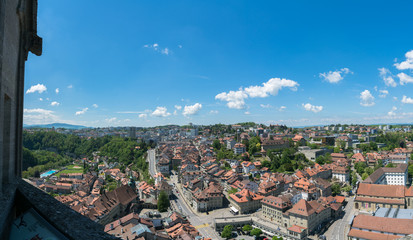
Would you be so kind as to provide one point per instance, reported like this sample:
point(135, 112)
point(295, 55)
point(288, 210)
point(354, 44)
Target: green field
point(70, 169)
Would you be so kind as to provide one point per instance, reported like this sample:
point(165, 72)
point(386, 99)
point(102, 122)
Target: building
point(389, 176)
point(341, 173)
point(371, 196)
point(245, 201)
point(308, 216)
point(311, 154)
point(239, 148)
point(273, 208)
point(275, 144)
point(208, 199)
point(373, 227)
point(132, 132)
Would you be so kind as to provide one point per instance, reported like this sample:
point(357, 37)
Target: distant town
point(240, 181)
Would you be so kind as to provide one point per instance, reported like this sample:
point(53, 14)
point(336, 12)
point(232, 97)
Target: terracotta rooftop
point(378, 190)
point(382, 224)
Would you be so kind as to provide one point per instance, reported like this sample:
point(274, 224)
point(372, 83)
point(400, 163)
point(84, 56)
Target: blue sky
point(148, 63)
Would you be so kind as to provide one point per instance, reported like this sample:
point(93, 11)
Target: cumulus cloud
point(95, 105)
point(404, 78)
point(57, 90)
point(143, 115)
point(213, 112)
point(236, 99)
point(156, 48)
point(83, 111)
point(335, 76)
point(178, 107)
point(407, 100)
point(282, 108)
point(40, 99)
point(383, 93)
point(247, 113)
point(192, 109)
point(161, 112)
point(271, 87)
point(40, 88)
point(312, 108)
point(387, 77)
point(39, 116)
point(111, 120)
point(367, 100)
point(266, 105)
point(38, 110)
point(70, 86)
point(408, 64)
point(55, 104)
point(392, 112)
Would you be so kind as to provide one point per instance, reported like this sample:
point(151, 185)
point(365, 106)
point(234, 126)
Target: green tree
point(410, 170)
point(346, 188)
point(364, 176)
point(390, 165)
point(163, 202)
point(256, 232)
point(216, 144)
point(247, 228)
point(227, 232)
point(336, 188)
point(232, 190)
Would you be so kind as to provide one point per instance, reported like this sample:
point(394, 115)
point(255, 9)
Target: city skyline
point(149, 64)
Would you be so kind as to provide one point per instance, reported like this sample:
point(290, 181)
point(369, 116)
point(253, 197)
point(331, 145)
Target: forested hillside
point(43, 150)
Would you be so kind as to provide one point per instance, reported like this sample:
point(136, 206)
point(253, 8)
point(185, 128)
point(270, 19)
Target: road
point(152, 164)
point(339, 230)
point(202, 222)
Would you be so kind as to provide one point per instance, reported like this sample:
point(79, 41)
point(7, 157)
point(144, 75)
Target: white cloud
point(156, 48)
point(367, 100)
point(55, 104)
point(57, 90)
point(38, 110)
point(394, 98)
point(180, 46)
point(178, 107)
point(236, 99)
point(266, 105)
point(40, 88)
point(192, 109)
point(39, 116)
point(404, 78)
point(213, 112)
point(83, 111)
point(271, 87)
point(70, 86)
point(312, 108)
point(41, 99)
point(383, 93)
point(392, 112)
point(407, 100)
point(247, 113)
point(408, 64)
point(282, 108)
point(165, 51)
point(335, 76)
point(143, 115)
point(387, 77)
point(161, 112)
point(111, 120)
point(95, 105)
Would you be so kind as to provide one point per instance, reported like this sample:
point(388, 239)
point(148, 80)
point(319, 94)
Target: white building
point(389, 176)
point(341, 173)
point(239, 148)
